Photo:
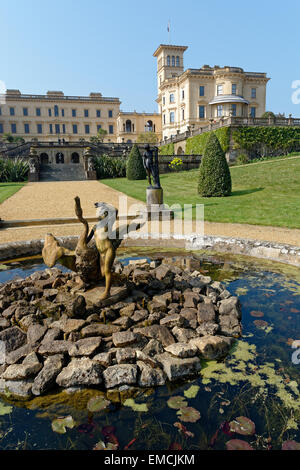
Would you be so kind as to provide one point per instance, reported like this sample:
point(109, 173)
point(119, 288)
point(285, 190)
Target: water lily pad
point(3, 267)
point(238, 444)
point(97, 404)
point(188, 414)
point(256, 314)
point(290, 445)
point(176, 402)
point(191, 392)
point(141, 407)
point(294, 310)
point(242, 425)
point(102, 446)
point(261, 324)
point(5, 409)
point(59, 425)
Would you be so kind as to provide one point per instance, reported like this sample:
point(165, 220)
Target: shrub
point(167, 149)
point(176, 164)
point(135, 169)
point(214, 174)
point(110, 167)
point(13, 170)
point(196, 145)
point(242, 159)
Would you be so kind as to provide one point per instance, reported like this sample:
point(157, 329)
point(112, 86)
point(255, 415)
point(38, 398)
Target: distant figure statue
point(151, 166)
point(91, 164)
point(32, 165)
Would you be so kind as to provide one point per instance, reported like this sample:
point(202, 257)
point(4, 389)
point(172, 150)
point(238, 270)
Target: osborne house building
point(187, 99)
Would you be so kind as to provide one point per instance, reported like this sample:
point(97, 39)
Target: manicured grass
point(266, 193)
point(8, 189)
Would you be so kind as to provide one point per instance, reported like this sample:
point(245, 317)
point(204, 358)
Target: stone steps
point(63, 172)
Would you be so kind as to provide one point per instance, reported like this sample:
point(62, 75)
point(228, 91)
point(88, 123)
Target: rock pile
point(52, 334)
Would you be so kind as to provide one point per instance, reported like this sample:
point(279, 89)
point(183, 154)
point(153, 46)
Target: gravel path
point(56, 199)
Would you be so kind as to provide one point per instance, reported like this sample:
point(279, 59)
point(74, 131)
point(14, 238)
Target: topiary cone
point(135, 169)
point(214, 175)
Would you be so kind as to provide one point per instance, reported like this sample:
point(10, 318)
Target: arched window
point(173, 61)
point(60, 158)
point(168, 60)
point(128, 125)
point(44, 158)
point(149, 126)
point(75, 157)
point(177, 61)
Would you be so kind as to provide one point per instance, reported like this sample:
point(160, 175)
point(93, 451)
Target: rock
point(4, 323)
point(140, 276)
point(33, 291)
point(18, 354)
point(31, 358)
point(182, 350)
point(124, 338)
point(140, 315)
point(230, 306)
point(50, 294)
point(123, 322)
point(176, 368)
point(52, 335)
point(206, 313)
point(136, 262)
point(191, 299)
point(78, 308)
point(74, 336)
point(165, 298)
point(175, 307)
point(67, 325)
point(20, 388)
point(212, 347)
point(35, 333)
point(190, 317)
point(99, 329)
point(79, 372)
point(85, 347)
point(10, 340)
point(28, 321)
point(55, 347)
point(156, 307)
point(141, 356)
point(172, 320)
point(122, 374)
point(183, 335)
point(21, 371)
point(125, 355)
point(207, 328)
point(164, 274)
point(229, 325)
point(93, 318)
point(154, 318)
point(104, 359)
point(45, 380)
point(153, 347)
point(158, 332)
point(9, 311)
point(225, 294)
point(128, 310)
point(150, 377)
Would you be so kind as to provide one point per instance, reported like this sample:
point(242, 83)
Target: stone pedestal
point(91, 175)
point(33, 177)
point(156, 209)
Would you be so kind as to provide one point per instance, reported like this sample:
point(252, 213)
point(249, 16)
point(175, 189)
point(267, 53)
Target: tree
point(7, 137)
point(268, 114)
point(135, 169)
point(214, 174)
point(147, 138)
point(99, 137)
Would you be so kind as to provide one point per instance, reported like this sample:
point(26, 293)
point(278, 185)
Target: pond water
point(258, 380)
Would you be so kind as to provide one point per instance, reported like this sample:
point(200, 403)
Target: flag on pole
point(168, 28)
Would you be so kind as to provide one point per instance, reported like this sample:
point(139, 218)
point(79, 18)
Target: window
point(182, 114)
point(39, 129)
point(219, 89)
point(172, 98)
point(87, 128)
point(12, 111)
point(86, 113)
point(111, 129)
point(173, 61)
point(13, 128)
point(0, 111)
point(64, 128)
point(164, 119)
point(253, 92)
point(63, 113)
point(38, 111)
point(110, 113)
point(201, 112)
point(98, 113)
point(253, 112)
point(99, 127)
point(182, 94)
point(75, 128)
point(73, 112)
point(49, 112)
point(51, 128)
point(201, 90)
point(1, 128)
point(233, 89)
point(25, 111)
point(26, 128)
point(57, 129)
point(168, 61)
point(220, 110)
point(172, 116)
point(233, 110)
point(55, 110)
point(164, 100)
point(177, 61)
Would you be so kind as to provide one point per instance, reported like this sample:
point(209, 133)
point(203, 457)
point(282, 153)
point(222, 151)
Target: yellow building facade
point(131, 125)
point(193, 98)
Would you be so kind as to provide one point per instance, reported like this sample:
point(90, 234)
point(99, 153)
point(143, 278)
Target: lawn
point(265, 193)
point(8, 189)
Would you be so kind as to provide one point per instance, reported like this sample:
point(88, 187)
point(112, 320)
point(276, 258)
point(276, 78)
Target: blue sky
point(79, 46)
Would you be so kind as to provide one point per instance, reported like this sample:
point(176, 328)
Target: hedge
point(135, 169)
point(195, 145)
point(167, 149)
point(110, 167)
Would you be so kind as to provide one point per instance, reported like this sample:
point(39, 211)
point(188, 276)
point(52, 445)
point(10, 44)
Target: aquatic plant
point(59, 425)
point(176, 402)
point(242, 425)
point(188, 414)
